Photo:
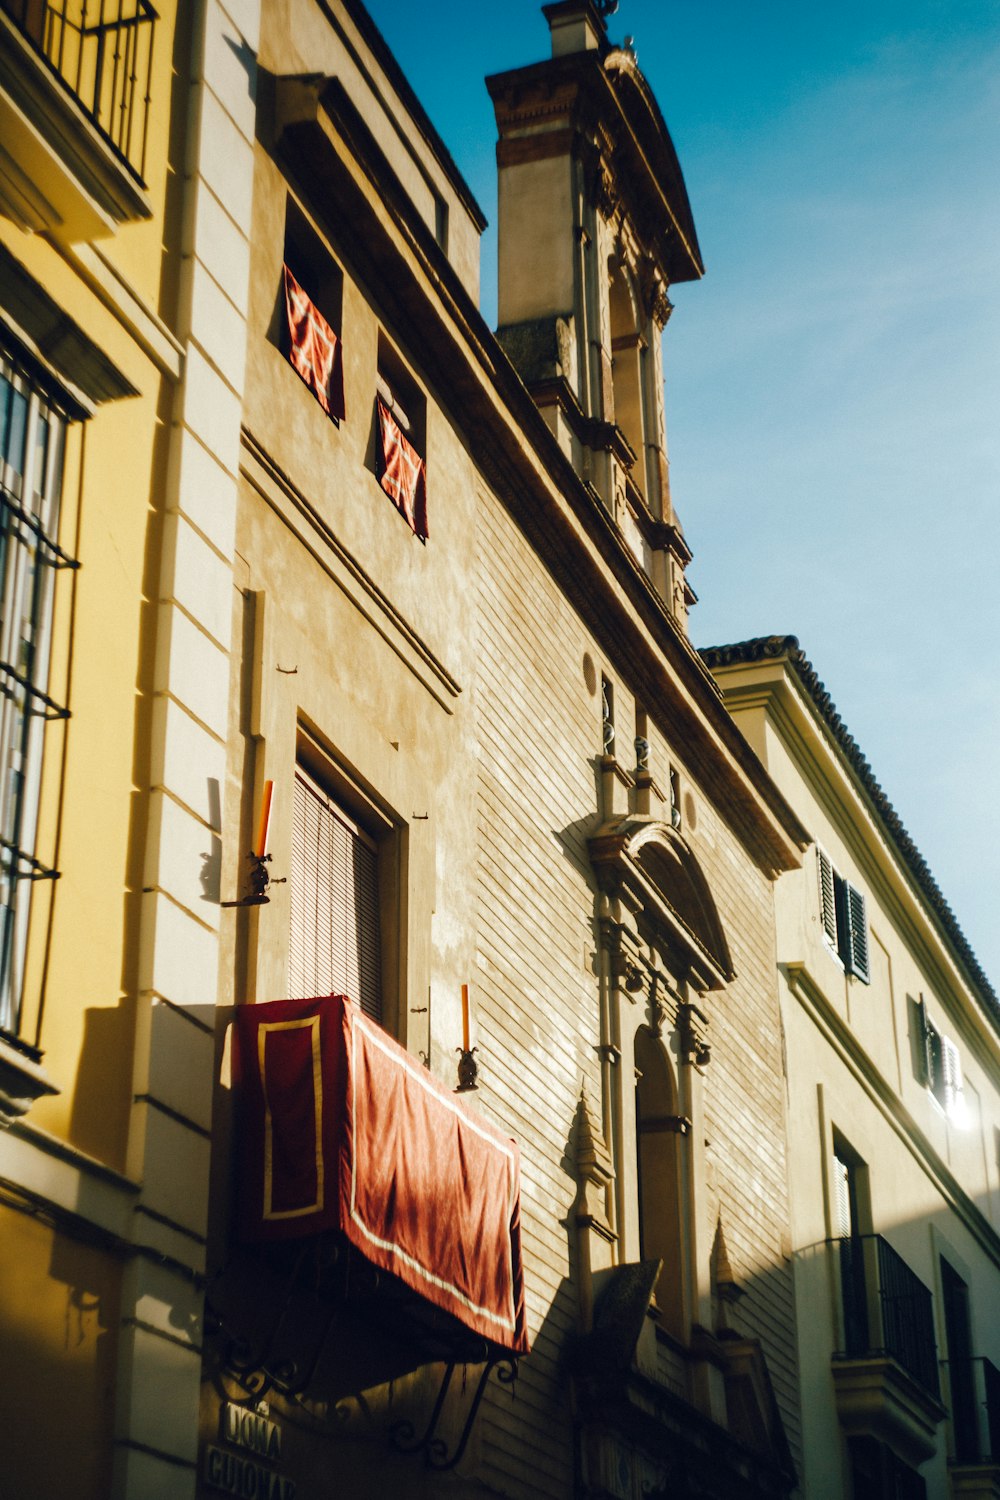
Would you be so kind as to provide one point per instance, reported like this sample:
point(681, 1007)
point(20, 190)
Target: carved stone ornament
point(606, 194)
point(692, 1027)
point(594, 1169)
point(653, 290)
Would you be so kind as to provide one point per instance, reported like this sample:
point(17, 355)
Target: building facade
point(346, 654)
point(124, 221)
point(891, 1054)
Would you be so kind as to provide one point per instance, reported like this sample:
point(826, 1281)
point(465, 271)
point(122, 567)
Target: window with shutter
point(845, 919)
point(953, 1100)
point(942, 1068)
point(335, 938)
point(827, 901)
point(855, 934)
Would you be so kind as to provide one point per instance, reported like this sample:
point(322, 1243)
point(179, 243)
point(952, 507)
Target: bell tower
point(594, 227)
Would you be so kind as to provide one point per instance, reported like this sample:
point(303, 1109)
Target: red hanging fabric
point(340, 1128)
point(402, 472)
point(314, 349)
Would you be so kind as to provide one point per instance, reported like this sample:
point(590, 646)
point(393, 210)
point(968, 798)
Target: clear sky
point(833, 384)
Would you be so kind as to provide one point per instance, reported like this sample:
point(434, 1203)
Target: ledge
point(975, 1481)
point(875, 1396)
point(22, 1081)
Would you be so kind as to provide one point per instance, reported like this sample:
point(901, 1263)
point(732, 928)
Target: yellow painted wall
point(58, 1340)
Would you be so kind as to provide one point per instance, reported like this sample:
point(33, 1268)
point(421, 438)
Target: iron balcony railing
point(102, 52)
point(974, 1389)
point(887, 1309)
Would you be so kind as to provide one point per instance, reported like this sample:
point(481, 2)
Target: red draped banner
point(342, 1129)
point(401, 471)
point(314, 349)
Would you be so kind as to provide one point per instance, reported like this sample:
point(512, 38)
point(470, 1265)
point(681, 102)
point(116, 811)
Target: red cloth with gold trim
point(402, 473)
point(342, 1129)
point(314, 349)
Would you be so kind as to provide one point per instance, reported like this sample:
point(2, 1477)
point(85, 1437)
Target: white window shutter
point(827, 898)
point(951, 1067)
point(842, 1225)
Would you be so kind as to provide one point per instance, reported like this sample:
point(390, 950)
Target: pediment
point(651, 866)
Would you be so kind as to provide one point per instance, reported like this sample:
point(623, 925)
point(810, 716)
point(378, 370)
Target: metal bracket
point(435, 1450)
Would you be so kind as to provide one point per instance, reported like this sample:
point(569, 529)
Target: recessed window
point(675, 798)
point(401, 439)
point(340, 898)
point(607, 716)
point(312, 297)
point(32, 434)
point(941, 1067)
point(845, 919)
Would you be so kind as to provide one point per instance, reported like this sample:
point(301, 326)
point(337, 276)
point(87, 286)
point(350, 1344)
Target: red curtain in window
point(340, 1128)
point(402, 472)
point(314, 349)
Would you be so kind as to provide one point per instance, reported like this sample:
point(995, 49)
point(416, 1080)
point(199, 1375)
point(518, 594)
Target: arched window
point(660, 1176)
point(628, 352)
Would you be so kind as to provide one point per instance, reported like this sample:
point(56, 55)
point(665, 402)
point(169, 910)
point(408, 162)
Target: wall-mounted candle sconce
point(260, 879)
point(468, 1069)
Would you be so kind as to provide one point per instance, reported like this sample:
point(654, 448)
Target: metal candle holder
point(468, 1070)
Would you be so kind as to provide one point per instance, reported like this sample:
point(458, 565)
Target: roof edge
point(787, 648)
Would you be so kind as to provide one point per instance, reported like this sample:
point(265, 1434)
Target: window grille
point(32, 439)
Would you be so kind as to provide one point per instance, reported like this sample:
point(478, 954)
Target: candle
point(260, 846)
point(465, 1018)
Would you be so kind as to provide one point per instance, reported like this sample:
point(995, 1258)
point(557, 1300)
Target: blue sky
point(833, 385)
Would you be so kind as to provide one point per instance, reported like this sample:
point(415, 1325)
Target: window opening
point(32, 439)
point(400, 448)
point(641, 740)
point(607, 716)
point(848, 1227)
point(845, 919)
point(659, 1132)
point(313, 298)
point(942, 1067)
point(961, 1376)
point(335, 940)
point(675, 799)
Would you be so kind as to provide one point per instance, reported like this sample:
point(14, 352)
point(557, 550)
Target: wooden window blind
point(335, 941)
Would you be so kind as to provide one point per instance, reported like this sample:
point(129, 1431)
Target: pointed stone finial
point(726, 1287)
point(593, 1159)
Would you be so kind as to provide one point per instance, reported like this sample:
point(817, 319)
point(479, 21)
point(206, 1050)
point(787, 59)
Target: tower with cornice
point(594, 228)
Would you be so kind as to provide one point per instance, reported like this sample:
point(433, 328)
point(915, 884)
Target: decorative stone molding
point(692, 1026)
point(648, 866)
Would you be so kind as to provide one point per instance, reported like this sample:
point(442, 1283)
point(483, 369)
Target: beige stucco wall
point(932, 1180)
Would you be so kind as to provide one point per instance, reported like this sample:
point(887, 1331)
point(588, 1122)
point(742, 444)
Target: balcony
point(974, 1390)
point(75, 84)
point(886, 1375)
point(377, 1240)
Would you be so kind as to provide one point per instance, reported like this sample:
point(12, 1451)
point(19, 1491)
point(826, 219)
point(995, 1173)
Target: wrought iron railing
point(887, 1309)
point(974, 1389)
point(102, 51)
